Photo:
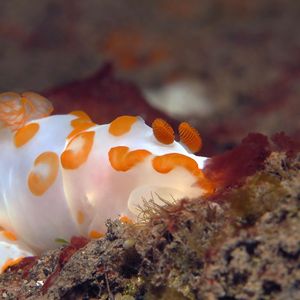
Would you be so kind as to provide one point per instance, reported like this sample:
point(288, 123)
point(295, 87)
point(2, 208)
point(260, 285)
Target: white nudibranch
point(64, 176)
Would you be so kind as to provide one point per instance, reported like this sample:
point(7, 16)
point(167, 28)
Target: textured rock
point(242, 243)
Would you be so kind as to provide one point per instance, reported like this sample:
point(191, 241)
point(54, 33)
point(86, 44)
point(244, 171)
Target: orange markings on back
point(10, 263)
point(25, 134)
point(18, 109)
point(78, 150)
point(125, 220)
point(44, 173)
point(121, 159)
point(163, 131)
point(80, 217)
point(94, 234)
point(79, 127)
point(168, 162)
point(190, 137)
point(80, 124)
point(80, 114)
point(121, 125)
point(9, 235)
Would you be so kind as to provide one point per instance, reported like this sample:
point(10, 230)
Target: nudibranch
point(64, 175)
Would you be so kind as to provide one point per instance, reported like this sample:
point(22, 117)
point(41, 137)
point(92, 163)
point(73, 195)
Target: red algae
point(103, 97)
point(231, 168)
point(78, 242)
point(66, 253)
point(284, 143)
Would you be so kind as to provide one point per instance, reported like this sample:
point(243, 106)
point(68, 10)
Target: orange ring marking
point(78, 150)
point(44, 173)
point(121, 159)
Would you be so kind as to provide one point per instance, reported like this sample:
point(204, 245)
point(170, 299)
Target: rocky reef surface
point(241, 243)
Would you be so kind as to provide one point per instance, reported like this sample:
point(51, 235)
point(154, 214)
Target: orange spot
point(78, 150)
point(168, 162)
point(121, 159)
point(94, 234)
point(126, 220)
point(11, 262)
point(9, 235)
point(81, 125)
point(190, 137)
point(44, 173)
point(80, 217)
point(25, 134)
point(80, 114)
point(80, 121)
point(163, 131)
point(17, 109)
point(121, 125)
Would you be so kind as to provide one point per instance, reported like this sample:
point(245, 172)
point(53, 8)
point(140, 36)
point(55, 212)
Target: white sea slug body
point(64, 175)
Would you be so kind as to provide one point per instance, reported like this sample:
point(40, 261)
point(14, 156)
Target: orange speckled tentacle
point(190, 137)
point(163, 131)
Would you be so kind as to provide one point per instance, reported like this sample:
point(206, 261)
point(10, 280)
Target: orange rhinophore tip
point(190, 137)
point(163, 131)
point(18, 109)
